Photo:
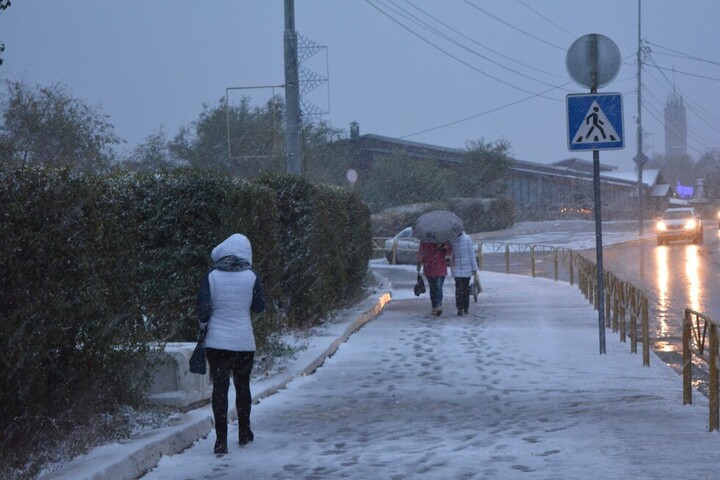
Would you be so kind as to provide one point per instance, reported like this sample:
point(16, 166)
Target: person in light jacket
point(432, 258)
point(228, 293)
point(464, 265)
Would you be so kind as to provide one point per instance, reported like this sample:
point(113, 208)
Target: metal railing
point(699, 329)
point(536, 254)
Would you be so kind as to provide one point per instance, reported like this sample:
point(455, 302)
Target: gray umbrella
point(437, 226)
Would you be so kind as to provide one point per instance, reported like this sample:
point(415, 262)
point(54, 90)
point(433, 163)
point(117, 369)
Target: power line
point(673, 87)
point(421, 23)
point(696, 75)
point(683, 55)
point(483, 45)
point(369, 2)
point(545, 18)
point(514, 27)
point(493, 110)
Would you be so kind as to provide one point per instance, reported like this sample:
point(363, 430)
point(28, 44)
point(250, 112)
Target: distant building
point(563, 189)
point(675, 126)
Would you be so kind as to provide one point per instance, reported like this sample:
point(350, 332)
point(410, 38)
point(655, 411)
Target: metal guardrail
point(697, 329)
point(622, 300)
point(537, 253)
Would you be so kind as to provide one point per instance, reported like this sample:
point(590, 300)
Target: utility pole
point(640, 158)
point(292, 93)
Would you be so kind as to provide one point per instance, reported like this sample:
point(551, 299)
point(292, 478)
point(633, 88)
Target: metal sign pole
point(598, 212)
point(599, 250)
point(593, 61)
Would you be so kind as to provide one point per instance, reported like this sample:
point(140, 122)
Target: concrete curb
point(129, 460)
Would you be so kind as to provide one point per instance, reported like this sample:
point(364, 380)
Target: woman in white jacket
point(228, 293)
point(464, 265)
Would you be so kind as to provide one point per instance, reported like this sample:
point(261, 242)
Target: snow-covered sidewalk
point(517, 389)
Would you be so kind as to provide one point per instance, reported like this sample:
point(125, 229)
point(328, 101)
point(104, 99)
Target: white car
point(403, 247)
point(679, 224)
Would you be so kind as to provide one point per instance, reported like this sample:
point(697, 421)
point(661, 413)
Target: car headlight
point(690, 225)
point(661, 226)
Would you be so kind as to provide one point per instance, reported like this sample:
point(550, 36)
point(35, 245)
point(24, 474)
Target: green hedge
point(95, 268)
point(67, 328)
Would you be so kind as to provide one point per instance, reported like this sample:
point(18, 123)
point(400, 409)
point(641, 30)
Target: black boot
point(221, 446)
point(245, 436)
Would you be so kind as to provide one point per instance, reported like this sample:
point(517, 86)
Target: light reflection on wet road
point(674, 277)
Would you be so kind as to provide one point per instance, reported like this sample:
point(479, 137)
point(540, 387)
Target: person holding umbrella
point(432, 259)
point(464, 265)
point(435, 230)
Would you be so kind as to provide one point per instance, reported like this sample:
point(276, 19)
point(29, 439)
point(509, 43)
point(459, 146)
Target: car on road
point(682, 223)
point(404, 247)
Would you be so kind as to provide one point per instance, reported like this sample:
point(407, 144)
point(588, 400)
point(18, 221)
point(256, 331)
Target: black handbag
point(419, 286)
point(197, 359)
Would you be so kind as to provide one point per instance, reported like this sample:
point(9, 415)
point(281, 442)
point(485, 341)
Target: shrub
point(67, 328)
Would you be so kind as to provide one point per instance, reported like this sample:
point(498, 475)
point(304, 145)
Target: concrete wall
point(173, 384)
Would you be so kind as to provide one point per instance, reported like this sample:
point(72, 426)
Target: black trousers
point(222, 364)
point(462, 293)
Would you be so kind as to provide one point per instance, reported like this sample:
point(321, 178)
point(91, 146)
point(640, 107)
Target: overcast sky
point(428, 71)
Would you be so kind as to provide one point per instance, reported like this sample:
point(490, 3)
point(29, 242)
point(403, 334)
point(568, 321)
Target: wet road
point(674, 277)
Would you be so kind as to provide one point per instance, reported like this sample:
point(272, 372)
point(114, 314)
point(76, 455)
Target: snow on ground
point(516, 390)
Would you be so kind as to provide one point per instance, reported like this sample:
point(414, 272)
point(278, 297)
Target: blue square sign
point(595, 121)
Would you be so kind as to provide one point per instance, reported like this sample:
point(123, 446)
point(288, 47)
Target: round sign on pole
point(351, 175)
point(593, 60)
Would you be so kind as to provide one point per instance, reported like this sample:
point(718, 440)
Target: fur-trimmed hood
point(236, 245)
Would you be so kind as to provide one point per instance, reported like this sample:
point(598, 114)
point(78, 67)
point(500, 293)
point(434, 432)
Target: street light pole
point(640, 158)
point(292, 92)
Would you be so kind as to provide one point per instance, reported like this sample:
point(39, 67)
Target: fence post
point(608, 297)
point(572, 272)
point(615, 310)
point(555, 259)
point(687, 358)
point(507, 258)
point(645, 333)
point(713, 394)
point(532, 259)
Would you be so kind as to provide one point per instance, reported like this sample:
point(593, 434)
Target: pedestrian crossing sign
point(595, 121)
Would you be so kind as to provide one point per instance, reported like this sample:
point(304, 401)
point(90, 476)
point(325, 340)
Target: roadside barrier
point(539, 254)
point(697, 329)
point(622, 299)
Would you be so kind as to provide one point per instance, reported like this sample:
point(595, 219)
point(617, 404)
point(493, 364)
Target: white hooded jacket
point(233, 291)
point(464, 261)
